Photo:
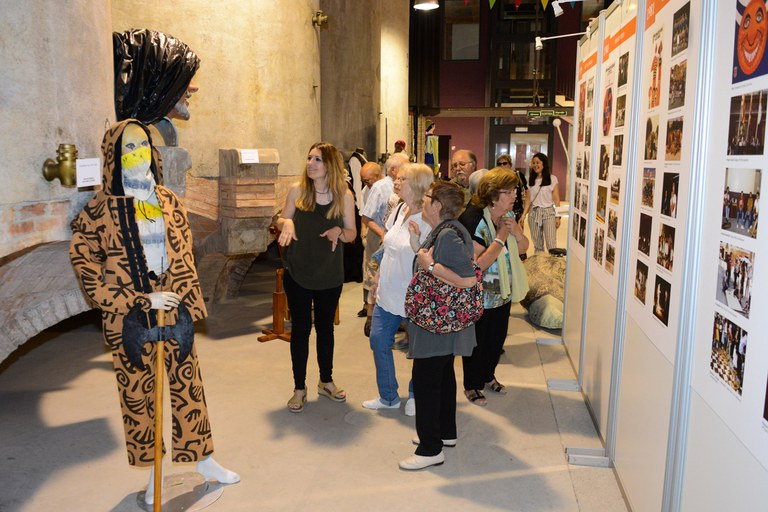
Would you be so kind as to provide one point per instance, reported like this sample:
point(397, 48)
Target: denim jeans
point(384, 326)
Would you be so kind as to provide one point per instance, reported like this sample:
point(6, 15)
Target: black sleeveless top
point(309, 259)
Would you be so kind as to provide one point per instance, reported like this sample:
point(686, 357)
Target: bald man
point(463, 164)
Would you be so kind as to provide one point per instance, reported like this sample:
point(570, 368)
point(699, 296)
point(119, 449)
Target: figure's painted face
point(136, 163)
point(751, 36)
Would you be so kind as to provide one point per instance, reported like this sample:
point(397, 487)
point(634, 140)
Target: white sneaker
point(376, 403)
point(448, 443)
point(415, 462)
point(410, 407)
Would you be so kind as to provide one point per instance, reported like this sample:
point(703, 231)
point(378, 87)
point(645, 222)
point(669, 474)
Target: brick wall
point(24, 225)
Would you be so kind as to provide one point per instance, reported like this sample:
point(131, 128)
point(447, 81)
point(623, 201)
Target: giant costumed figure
point(132, 252)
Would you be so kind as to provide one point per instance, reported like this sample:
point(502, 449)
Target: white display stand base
point(185, 491)
point(594, 457)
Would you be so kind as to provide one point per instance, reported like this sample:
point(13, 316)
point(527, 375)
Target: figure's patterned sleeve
point(88, 252)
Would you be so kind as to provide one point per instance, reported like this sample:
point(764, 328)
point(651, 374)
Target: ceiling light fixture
point(426, 5)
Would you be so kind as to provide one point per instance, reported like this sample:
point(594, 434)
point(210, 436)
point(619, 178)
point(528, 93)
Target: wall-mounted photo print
point(654, 89)
point(651, 138)
point(618, 149)
point(583, 232)
point(669, 194)
point(746, 125)
point(741, 201)
point(586, 165)
point(680, 29)
point(641, 279)
point(674, 139)
point(666, 253)
point(734, 278)
point(610, 258)
point(615, 187)
point(644, 235)
point(602, 202)
point(623, 68)
point(584, 198)
point(579, 166)
point(677, 85)
point(621, 110)
point(729, 352)
point(577, 196)
point(597, 250)
point(661, 292)
point(649, 182)
point(582, 99)
point(613, 224)
point(590, 93)
point(575, 227)
point(588, 132)
point(605, 162)
point(749, 50)
point(607, 111)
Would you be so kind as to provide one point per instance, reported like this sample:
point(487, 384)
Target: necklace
point(327, 191)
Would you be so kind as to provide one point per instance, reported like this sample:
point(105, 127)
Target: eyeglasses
point(428, 196)
point(459, 164)
point(502, 164)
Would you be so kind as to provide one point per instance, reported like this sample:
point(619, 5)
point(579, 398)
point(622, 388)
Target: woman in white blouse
point(395, 272)
point(542, 198)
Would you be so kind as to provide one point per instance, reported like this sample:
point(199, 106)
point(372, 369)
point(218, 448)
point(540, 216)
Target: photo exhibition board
point(730, 362)
point(662, 180)
point(583, 152)
point(617, 73)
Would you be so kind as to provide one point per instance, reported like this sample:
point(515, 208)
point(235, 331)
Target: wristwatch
point(431, 267)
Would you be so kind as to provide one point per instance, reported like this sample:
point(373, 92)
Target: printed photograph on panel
point(621, 110)
point(575, 228)
point(577, 196)
point(590, 93)
point(579, 165)
point(641, 278)
point(674, 139)
point(597, 250)
point(669, 194)
point(586, 165)
point(605, 162)
point(666, 253)
point(729, 352)
point(654, 89)
point(615, 187)
point(602, 202)
point(677, 85)
point(623, 69)
point(618, 149)
point(610, 258)
point(741, 201)
point(583, 232)
point(750, 38)
point(661, 292)
point(588, 132)
point(680, 29)
point(734, 278)
point(746, 126)
point(582, 99)
point(649, 182)
point(644, 235)
point(613, 224)
point(651, 138)
point(584, 198)
point(607, 111)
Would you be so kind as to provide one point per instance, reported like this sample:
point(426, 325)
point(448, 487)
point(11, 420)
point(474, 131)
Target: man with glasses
point(463, 164)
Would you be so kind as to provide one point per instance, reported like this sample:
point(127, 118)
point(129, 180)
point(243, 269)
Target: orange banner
point(619, 38)
point(587, 64)
point(653, 7)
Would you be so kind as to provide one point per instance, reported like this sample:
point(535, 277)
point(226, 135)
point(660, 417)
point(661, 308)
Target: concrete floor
point(62, 439)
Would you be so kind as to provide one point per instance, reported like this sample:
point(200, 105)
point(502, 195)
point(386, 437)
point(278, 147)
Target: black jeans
point(300, 302)
point(434, 388)
point(490, 334)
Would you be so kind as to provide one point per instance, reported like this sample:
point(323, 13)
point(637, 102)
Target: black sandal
point(476, 397)
point(497, 386)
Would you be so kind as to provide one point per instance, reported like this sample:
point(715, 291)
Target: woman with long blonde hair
point(318, 215)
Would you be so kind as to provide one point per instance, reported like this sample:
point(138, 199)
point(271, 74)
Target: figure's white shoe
point(410, 407)
point(149, 494)
point(212, 470)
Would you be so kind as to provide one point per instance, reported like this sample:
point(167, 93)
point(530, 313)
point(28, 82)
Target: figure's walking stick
point(159, 370)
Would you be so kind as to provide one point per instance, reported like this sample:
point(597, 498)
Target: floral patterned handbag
point(439, 307)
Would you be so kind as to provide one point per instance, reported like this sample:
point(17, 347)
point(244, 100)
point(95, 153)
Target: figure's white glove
point(164, 300)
